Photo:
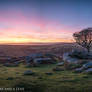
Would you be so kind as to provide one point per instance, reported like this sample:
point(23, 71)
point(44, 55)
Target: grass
point(59, 81)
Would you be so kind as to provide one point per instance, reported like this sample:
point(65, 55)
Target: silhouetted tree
point(84, 38)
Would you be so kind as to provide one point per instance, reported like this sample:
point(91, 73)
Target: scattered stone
point(81, 54)
point(10, 78)
point(28, 59)
point(49, 73)
point(69, 59)
point(78, 70)
point(28, 72)
point(87, 65)
point(16, 62)
point(58, 69)
point(28, 65)
point(60, 64)
point(89, 70)
point(42, 60)
point(38, 58)
point(74, 66)
point(10, 64)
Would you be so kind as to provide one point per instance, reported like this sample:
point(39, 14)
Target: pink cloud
point(32, 28)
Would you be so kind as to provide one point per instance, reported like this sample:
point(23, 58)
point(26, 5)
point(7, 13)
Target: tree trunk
point(88, 49)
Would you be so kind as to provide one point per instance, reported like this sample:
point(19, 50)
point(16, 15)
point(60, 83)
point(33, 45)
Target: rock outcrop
point(69, 59)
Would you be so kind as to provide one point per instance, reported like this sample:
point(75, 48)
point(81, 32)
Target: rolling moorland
point(24, 50)
point(44, 78)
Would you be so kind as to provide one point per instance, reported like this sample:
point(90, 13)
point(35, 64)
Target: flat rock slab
point(88, 70)
point(10, 78)
point(49, 73)
point(10, 65)
point(69, 59)
point(28, 72)
point(58, 69)
point(60, 64)
point(78, 70)
point(87, 65)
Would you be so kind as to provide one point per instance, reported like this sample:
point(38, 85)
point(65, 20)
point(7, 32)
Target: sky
point(25, 21)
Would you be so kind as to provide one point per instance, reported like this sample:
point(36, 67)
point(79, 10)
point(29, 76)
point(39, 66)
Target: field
point(58, 81)
point(23, 50)
point(61, 81)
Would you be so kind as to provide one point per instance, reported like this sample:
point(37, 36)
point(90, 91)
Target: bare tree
point(84, 38)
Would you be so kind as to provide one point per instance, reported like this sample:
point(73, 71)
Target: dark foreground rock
point(42, 60)
point(29, 72)
point(58, 69)
point(10, 64)
point(78, 70)
point(10, 78)
point(81, 54)
point(49, 73)
point(60, 63)
point(87, 65)
point(89, 70)
point(69, 59)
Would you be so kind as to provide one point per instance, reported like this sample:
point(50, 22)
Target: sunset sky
point(24, 21)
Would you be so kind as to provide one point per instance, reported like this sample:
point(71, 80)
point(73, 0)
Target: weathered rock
point(87, 65)
point(89, 70)
point(31, 57)
point(10, 64)
point(49, 73)
point(81, 54)
point(28, 72)
point(78, 70)
point(69, 59)
point(28, 59)
point(10, 78)
point(42, 60)
point(28, 65)
point(74, 66)
point(39, 58)
point(58, 69)
point(60, 64)
point(17, 62)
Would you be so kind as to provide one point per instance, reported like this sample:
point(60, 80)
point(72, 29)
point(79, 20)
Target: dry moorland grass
point(23, 50)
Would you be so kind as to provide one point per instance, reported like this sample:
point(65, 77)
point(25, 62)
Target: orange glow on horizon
point(23, 40)
point(23, 30)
